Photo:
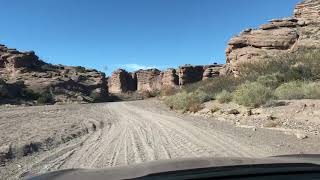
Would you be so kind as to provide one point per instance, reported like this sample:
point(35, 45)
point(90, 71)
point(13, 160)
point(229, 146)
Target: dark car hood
point(160, 166)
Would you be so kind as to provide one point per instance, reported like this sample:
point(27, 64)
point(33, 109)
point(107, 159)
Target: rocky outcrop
point(148, 80)
point(170, 78)
point(154, 80)
point(190, 74)
point(12, 58)
point(64, 83)
point(121, 81)
point(277, 37)
point(212, 71)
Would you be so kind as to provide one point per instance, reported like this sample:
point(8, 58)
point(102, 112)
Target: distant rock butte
point(277, 37)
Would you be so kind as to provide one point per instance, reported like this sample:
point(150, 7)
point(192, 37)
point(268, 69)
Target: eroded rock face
point(121, 81)
point(277, 37)
point(65, 83)
point(170, 78)
point(190, 74)
point(211, 71)
point(148, 80)
point(154, 80)
point(12, 58)
point(308, 11)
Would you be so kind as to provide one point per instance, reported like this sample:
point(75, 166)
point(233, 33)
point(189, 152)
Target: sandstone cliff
point(277, 37)
point(153, 79)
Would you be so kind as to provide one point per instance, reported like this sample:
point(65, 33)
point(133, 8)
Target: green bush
point(252, 94)
point(187, 101)
point(201, 96)
point(290, 90)
point(45, 98)
point(30, 94)
point(301, 65)
point(298, 90)
point(272, 80)
point(215, 85)
point(178, 101)
point(168, 91)
point(224, 97)
point(312, 90)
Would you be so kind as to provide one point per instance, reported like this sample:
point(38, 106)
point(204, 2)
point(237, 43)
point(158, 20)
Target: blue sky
point(132, 34)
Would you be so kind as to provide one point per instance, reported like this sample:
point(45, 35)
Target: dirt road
point(140, 131)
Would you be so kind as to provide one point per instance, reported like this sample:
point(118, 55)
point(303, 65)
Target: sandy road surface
point(135, 132)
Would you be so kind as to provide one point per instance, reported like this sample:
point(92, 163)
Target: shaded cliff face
point(122, 81)
point(65, 83)
point(277, 37)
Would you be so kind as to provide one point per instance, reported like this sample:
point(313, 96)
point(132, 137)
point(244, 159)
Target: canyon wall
point(273, 39)
point(68, 83)
point(154, 79)
point(277, 37)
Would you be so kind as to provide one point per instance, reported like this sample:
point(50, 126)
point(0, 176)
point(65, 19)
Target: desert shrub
point(29, 94)
point(187, 101)
point(290, 90)
point(272, 80)
point(301, 65)
point(178, 101)
point(201, 96)
point(224, 97)
point(252, 94)
point(216, 85)
point(168, 91)
point(298, 90)
point(312, 90)
point(45, 98)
